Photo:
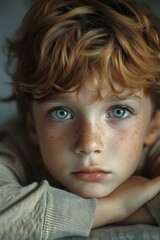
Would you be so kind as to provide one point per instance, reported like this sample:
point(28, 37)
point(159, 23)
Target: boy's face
point(91, 147)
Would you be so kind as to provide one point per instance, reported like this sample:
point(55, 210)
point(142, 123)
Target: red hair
point(62, 44)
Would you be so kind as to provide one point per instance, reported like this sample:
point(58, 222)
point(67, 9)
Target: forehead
point(92, 93)
point(92, 88)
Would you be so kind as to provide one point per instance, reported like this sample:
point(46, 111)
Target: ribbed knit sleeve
point(38, 211)
point(154, 208)
point(67, 215)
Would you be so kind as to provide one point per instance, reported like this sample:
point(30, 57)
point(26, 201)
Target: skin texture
point(92, 146)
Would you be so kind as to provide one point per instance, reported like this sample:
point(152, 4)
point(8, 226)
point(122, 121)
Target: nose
point(90, 140)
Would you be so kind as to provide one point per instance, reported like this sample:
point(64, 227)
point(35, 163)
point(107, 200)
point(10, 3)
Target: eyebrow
point(108, 98)
point(115, 99)
point(122, 96)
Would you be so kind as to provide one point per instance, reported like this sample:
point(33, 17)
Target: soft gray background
point(11, 14)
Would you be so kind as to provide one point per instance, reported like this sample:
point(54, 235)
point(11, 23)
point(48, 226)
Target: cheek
point(130, 146)
point(56, 142)
point(53, 148)
point(51, 144)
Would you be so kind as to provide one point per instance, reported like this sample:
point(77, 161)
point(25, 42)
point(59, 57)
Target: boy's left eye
point(60, 114)
point(119, 112)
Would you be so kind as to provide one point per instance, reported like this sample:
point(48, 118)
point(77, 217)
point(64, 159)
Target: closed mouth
point(91, 174)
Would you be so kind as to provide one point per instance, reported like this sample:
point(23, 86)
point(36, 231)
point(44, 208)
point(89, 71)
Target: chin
point(92, 193)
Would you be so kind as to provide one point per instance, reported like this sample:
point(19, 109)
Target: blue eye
point(119, 112)
point(60, 114)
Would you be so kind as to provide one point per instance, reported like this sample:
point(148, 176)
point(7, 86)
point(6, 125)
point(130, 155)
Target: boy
point(87, 82)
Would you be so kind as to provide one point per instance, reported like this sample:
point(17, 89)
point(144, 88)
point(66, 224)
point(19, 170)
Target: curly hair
point(63, 43)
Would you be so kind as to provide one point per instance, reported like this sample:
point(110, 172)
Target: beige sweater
point(34, 206)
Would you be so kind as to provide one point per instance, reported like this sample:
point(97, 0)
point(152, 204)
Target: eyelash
point(120, 107)
point(110, 113)
point(63, 109)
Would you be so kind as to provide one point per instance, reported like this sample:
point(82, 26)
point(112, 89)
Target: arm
point(153, 167)
point(41, 211)
point(38, 211)
point(126, 200)
point(45, 212)
point(152, 170)
point(141, 216)
point(150, 212)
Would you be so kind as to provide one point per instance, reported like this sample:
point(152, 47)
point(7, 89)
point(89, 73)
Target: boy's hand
point(125, 200)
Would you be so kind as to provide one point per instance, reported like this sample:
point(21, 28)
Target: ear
point(31, 129)
point(154, 129)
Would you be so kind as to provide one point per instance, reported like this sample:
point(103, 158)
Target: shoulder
point(20, 155)
point(16, 152)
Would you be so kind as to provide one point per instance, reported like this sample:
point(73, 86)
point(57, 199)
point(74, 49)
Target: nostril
point(97, 151)
point(89, 151)
point(89, 141)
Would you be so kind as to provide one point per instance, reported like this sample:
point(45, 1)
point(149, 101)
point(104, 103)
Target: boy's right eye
point(60, 114)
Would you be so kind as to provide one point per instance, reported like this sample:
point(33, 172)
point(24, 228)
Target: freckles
point(137, 133)
point(91, 132)
point(84, 131)
point(136, 137)
point(68, 134)
point(56, 141)
point(136, 130)
point(99, 130)
point(130, 148)
point(136, 146)
point(59, 140)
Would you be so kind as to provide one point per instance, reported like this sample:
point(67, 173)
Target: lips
point(91, 174)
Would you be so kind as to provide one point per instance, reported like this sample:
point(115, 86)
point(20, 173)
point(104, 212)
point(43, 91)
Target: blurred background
point(11, 14)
